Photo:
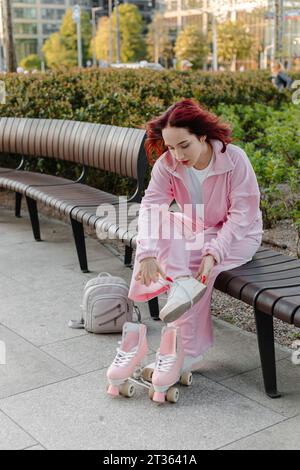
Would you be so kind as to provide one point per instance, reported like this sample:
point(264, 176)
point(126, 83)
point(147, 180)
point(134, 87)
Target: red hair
point(189, 114)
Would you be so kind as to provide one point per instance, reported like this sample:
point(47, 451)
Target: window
point(24, 1)
point(50, 28)
point(52, 14)
point(25, 28)
point(24, 13)
point(25, 47)
point(55, 2)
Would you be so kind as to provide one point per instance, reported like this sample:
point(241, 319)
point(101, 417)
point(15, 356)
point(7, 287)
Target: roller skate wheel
point(186, 378)
point(112, 390)
point(151, 392)
point(127, 389)
point(159, 397)
point(147, 374)
point(173, 395)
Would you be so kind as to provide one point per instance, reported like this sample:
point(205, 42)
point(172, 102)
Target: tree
point(102, 39)
point(234, 42)
point(133, 47)
point(192, 45)
point(159, 45)
point(31, 62)
point(11, 61)
point(60, 49)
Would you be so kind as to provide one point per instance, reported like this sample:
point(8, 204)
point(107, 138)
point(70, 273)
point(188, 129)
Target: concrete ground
point(52, 387)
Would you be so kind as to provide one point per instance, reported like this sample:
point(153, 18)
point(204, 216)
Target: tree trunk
point(11, 62)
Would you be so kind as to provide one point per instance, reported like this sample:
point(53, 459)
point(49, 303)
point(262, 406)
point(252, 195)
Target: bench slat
point(297, 317)
point(260, 270)
point(268, 298)
point(249, 292)
point(286, 307)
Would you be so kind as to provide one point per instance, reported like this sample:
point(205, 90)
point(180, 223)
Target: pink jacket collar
point(222, 161)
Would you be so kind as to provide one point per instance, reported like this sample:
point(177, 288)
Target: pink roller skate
point(169, 367)
point(132, 351)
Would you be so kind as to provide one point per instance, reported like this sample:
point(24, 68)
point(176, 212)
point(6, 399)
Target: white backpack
point(105, 305)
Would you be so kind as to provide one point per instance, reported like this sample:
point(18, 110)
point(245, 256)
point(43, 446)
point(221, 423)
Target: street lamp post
point(215, 43)
point(76, 18)
point(118, 32)
point(110, 30)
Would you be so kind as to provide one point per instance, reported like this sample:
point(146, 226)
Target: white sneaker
point(183, 294)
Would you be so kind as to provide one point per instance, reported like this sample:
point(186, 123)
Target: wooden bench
point(115, 149)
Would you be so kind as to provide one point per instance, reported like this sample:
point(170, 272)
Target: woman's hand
point(206, 265)
point(149, 271)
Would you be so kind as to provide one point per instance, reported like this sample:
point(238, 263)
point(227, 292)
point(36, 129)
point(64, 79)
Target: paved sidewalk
point(52, 388)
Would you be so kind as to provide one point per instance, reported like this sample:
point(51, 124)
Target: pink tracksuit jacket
point(232, 229)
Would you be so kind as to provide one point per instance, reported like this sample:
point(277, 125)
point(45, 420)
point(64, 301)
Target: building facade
point(258, 15)
point(35, 20)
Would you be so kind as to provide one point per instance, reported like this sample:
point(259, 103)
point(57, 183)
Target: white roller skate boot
point(131, 353)
point(168, 366)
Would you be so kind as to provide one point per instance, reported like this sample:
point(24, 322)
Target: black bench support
point(265, 337)
point(34, 218)
point(78, 233)
point(154, 308)
point(128, 256)
point(18, 204)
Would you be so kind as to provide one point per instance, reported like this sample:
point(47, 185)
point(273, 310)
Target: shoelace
point(123, 357)
point(164, 363)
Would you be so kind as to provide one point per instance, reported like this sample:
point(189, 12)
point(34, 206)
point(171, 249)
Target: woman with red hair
point(215, 187)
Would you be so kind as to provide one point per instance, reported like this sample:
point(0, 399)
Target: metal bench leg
point(18, 205)
point(128, 255)
point(34, 218)
point(265, 337)
point(78, 234)
point(154, 309)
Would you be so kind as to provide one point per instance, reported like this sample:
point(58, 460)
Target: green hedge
point(265, 122)
point(129, 97)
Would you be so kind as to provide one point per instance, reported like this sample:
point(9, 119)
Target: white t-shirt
point(196, 178)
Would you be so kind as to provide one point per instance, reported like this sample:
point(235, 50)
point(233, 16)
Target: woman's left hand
point(206, 265)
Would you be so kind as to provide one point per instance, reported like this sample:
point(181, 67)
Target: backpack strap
point(76, 324)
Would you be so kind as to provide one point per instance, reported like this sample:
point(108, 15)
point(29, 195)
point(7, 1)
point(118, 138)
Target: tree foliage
point(31, 62)
point(234, 41)
point(133, 47)
point(60, 49)
point(192, 45)
point(159, 44)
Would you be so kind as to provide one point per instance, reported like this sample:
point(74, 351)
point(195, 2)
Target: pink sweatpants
point(176, 260)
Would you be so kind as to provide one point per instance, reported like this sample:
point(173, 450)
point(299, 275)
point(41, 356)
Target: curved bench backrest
point(116, 149)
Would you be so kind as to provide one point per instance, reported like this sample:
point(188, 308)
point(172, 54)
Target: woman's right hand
point(149, 271)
